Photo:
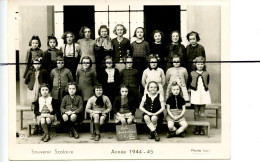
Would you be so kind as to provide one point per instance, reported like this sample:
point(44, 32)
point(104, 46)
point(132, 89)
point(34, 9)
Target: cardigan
point(30, 55)
point(175, 102)
point(120, 48)
point(49, 58)
point(195, 76)
point(75, 104)
point(40, 103)
point(104, 77)
point(129, 77)
point(174, 74)
point(42, 78)
point(117, 104)
point(140, 49)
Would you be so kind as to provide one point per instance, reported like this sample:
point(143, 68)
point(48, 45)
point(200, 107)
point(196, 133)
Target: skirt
point(126, 116)
point(34, 93)
point(38, 118)
point(175, 112)
point(200, 96)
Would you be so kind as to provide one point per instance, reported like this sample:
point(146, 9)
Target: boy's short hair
point(71, 83)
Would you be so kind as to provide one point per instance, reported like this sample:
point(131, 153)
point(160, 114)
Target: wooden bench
point(215, 107)
point(200, 123)
point(21, 110)
point(34, 123)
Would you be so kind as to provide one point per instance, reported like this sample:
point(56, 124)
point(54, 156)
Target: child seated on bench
point(175, 111)
point(124, 106)
point(44, 111)
point(71, 109)
point(152, 105)
point(98, 107)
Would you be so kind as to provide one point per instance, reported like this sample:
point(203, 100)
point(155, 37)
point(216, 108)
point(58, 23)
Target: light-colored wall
point(33, 20)
point(206, 20)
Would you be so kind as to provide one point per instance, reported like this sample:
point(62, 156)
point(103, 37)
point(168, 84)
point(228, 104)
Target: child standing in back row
point(140, 49)
point(34, 51)
point(199, 91)
point(193, 50)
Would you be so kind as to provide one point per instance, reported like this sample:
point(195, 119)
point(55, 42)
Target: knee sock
point(45, 128)
point(151, 127)
point(97, 126)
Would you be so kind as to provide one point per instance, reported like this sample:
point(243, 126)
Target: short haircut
point(71, 83)
point(103, 27)
point(88, 58)
point(193, 33)
point(50, 38)
point(137, 29)
point(64, 36)
point(35, 37)
point(124, 29)
point(176, 31)
point(148, 85)
point(199, 59)
point(59, 58)
point(109, 57)
point(157, 31)
point(82, 32)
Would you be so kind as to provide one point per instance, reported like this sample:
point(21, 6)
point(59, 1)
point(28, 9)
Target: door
point(76, 17)
point(164, 18)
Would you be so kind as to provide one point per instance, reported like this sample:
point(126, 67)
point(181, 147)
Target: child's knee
point(73, 117)
point(48, 120)
point(184, 125)
point(102, 120)
point(147, 118)
point(154, 119)
point(129, 121)
point(170, 125)
point(65, 117)
point(43, 121)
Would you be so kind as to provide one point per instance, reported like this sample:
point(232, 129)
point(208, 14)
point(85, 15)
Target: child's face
point(98, 92)
point(44, 91)
point(129, 63)
point(87, 33)
point(119, 31)
point(124, 92)
point(52, 43)
point(103, 33)
point(193, 40)
point(60, 64)
point(175, 90)
point(109, 63)
point(35, 44)
point(69, 38)
point(139, 33)
point(152, 88)
point(36, 65)
point(72, 90)
point(199, 66)
point(175, 37)
point(86, 63)
point(153, 63)
point(176, 62)
point(157, 38)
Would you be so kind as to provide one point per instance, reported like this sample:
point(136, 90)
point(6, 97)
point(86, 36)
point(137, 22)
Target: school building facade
point(47, 20)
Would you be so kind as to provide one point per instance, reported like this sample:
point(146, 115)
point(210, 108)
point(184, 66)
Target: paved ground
point(109, 134)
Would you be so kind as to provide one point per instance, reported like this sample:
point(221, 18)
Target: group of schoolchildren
point(87, 76)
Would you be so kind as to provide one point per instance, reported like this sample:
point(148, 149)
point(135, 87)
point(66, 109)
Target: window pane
point(101, 7)
point(136, 7)
point(116, 7)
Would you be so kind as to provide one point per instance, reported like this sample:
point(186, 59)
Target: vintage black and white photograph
point(119, 80)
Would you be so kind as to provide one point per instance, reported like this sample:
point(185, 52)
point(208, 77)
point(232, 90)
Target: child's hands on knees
point(68, 112)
